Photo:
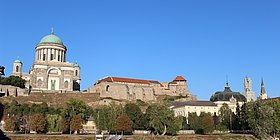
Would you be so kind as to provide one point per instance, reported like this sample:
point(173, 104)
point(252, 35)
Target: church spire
point(263, 94)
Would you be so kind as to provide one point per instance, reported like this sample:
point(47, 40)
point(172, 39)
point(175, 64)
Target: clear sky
point(202, 40)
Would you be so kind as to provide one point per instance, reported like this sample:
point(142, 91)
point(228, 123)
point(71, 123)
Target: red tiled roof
point(179, 78)
point(127, 80)
point(271, 99)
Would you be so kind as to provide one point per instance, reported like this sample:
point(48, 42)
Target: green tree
point(53, 122)
point(37, 123)
point(75, 107)
point(135, 114)
point(275, 104)
point(243, 118)
point(124, 124)
point(260, 119)
point(225, 116)
point(194, 121)
point(13, 80)
point(201, 124)
point(207, 123)
point(106, 116)
point(175, 125)
point(237, 122)
point(160, 117)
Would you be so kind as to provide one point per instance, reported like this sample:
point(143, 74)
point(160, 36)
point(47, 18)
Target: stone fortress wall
point(138, 89)
point(13, 91)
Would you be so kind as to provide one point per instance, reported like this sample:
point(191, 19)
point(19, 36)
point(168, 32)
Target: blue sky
point(202, 40)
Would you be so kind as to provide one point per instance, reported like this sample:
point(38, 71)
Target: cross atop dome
point(52, 31)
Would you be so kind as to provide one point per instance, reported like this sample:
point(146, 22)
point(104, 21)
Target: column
point(48, 54)
point(36, 55)
point(62, 56)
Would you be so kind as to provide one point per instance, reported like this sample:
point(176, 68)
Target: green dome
point(51, 39)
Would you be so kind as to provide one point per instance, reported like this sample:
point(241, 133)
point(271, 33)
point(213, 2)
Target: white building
point(50, 71)
point(184, 108)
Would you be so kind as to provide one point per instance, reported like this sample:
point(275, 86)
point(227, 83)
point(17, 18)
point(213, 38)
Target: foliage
point(194, 121)
point(260, 119)
point(185, 125)
point(124, 124)
point(53, 123)
point(160, 118)
point(136, 116)
point(243, 118)
point(275, 104)
point(10, 123)
point(237, 118)
point(106, 116)
point(207, 123)
point(37, 123)
point(203, 124)
point(76, 123)
point(76, 107)
point(13, 80)
point(221, 127)
point(64, 125)
point(225, 115)
point(175, 125)
point(39, 108)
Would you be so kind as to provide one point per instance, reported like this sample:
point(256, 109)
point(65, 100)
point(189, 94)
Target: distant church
point(50, 71)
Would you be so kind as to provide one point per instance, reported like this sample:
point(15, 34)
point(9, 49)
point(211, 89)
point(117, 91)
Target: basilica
point(50, 70)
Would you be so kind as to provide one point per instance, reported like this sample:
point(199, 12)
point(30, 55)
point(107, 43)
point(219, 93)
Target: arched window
point(76, 73)
point(107, 88)
point(39, 82)
point(66, 84)
point(17, 68)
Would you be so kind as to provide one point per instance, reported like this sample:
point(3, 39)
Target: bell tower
point(17, 68)
point(248, 91)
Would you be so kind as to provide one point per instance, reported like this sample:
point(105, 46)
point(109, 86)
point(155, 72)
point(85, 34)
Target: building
point(228, 97)
point(89, 127)
point(184, 108)
point(50, 71)
point(263, 94)
point(248, 91)
point(138, 89)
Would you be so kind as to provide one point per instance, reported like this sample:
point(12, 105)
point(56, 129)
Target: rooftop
point(127, 80)
point(193, 103)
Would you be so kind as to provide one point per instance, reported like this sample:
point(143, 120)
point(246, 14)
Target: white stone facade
point(50, 71)
point(184, 108)
point(248, 90)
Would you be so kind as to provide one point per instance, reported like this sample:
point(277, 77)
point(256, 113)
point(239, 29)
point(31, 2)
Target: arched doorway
point(53, 79)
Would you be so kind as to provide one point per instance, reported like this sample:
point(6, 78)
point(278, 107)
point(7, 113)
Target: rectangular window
point(44, 57)
point(51, 56)
point(58, 58)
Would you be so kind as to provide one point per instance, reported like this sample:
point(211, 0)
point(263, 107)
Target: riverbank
point(133, 137)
